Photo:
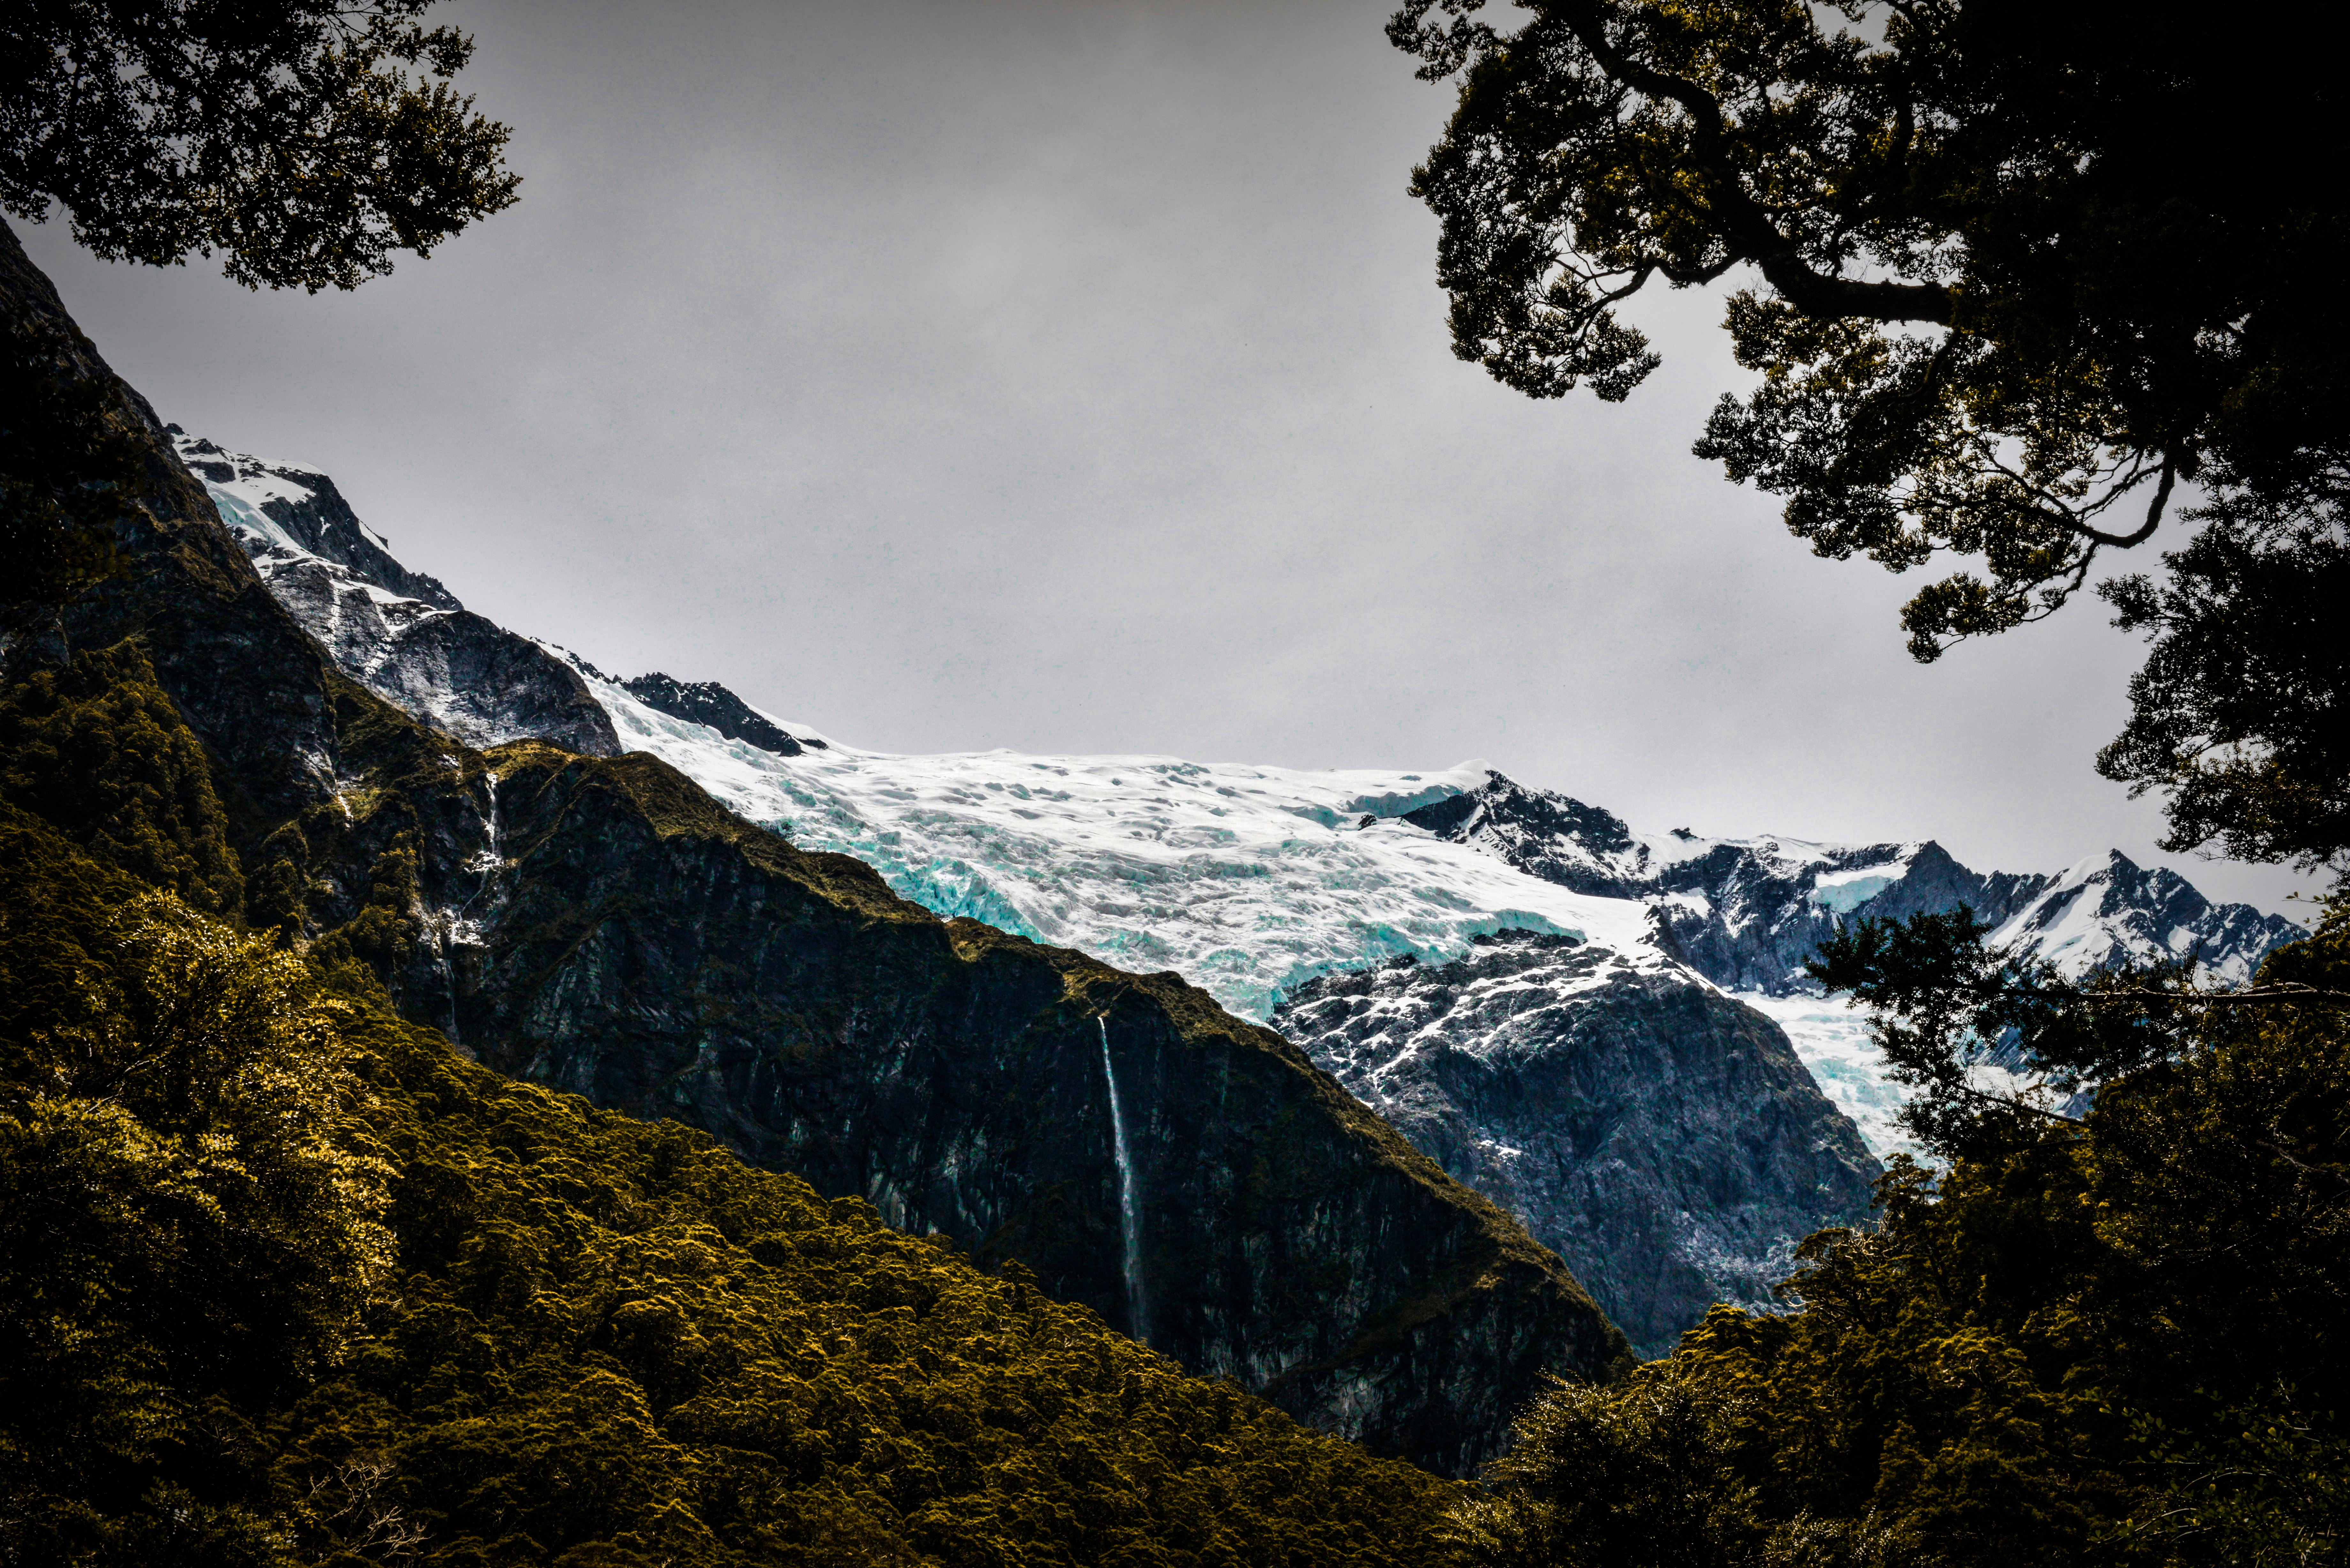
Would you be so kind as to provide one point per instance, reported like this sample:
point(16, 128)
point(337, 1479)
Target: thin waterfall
point(490, 859)
point(1137, 1307)
point(486, 865)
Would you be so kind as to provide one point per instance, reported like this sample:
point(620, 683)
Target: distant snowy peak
point(1748, 913)
point(2108, 908)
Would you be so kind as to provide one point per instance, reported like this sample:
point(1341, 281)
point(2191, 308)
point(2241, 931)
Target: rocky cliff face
point(601, 923)
point(1663, 1138)
point(398, 633)
point(1254, 882)
point(604, 926)
point(302, 509)
point(1722, 1152)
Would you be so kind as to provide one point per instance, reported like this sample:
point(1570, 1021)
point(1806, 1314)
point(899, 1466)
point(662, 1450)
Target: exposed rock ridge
point(1748, 913)
point(601, 923)
point(398, 633)
point(1662, 1139)
point(1559, 839)
point(305, 503)
point(708, 702)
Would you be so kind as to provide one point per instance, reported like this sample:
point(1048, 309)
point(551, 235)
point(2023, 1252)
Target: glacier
point(1607, 1028)
point(1248, 879)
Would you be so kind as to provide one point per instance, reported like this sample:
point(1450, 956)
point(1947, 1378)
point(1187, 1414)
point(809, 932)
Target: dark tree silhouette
point(305, 141)
point(2021, 277)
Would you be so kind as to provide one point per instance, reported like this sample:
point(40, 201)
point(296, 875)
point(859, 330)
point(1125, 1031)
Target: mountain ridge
point(1293, 896)
point(1216, 857)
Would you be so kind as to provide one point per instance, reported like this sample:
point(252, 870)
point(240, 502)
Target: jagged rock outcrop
point(398, 633)
point(708, 702)
point(1748, 913)
point(305, 505)
point(600, 923)
point(1662, 1139)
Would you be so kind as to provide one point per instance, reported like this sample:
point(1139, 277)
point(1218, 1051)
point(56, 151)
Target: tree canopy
point(307, 141)
point(2114, 1340)
point(2024, 281)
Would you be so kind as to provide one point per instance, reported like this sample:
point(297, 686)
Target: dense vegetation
point(2016, 296)
point(285, 1280)
point(2116, 1340)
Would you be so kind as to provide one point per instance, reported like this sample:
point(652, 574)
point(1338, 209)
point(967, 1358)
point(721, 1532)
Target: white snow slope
point(1245, 879)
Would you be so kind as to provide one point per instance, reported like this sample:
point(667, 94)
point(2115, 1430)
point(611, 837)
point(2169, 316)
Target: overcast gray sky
point(1071, 377)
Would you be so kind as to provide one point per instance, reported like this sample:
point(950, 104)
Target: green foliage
point(98, 750)
point(2241, 710)
point(2015, 288)
point(615, 1334)
point(285, 1280)
point(2117, 1341)
point(308, 140)
point(1614, 1476)
point(1947, 1006)
point(68, 467)
point(187, 1221)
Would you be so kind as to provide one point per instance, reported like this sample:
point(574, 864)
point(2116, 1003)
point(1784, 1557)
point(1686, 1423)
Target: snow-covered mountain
point(1590, 1023)
point(1749, 911)
point(398, 633)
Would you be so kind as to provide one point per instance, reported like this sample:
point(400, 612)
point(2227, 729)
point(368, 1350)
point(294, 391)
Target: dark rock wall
point(708, 702)
point(245, 675)
point(461, 673)
point(412, 643)
point(1664, 1139)
point(603, 927)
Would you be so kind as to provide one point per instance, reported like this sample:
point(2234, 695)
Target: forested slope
point(285, 1280)
point(2112, 1341)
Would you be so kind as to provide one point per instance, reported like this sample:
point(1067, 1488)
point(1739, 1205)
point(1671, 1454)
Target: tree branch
point(1749, 229)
